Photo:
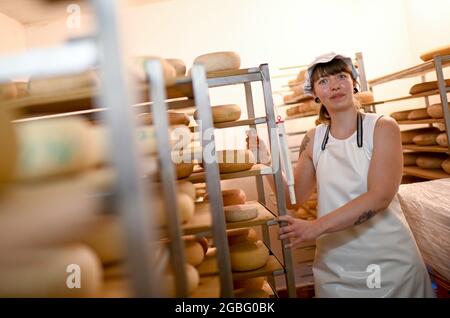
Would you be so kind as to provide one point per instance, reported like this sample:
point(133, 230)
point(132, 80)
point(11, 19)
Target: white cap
point(322, 59)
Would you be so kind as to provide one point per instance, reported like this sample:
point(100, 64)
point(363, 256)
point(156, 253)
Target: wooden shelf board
point(425, 173)
point(202, 219)
point(426, 148)
point(209, 267)
point(256, 170)
point(424, 94)
point(421, 121)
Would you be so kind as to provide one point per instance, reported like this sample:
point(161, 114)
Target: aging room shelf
point(237, 123)
point(425, 173)
point(426, 148)
point(202, 221)
point(421, 121)
point(256, 170)
point(424, 94)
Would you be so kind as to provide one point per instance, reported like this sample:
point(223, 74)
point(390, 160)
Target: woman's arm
point(384, 177)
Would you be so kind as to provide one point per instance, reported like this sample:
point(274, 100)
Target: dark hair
point(333, 67)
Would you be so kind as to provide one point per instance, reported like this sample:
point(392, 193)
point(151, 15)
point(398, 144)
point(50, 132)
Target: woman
point(364, 247)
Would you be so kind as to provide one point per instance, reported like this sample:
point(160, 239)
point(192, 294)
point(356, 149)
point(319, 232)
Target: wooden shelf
point(303, 115)
point(425, 173)
point(202, 219)
point(426, 148)
point(209, 267)
point(237, 123)
point(256, 170)
point(424, 94)
point(421, 121)
point(297, 102)
point(413, 71)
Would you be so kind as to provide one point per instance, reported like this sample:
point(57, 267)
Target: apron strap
point(359, 132)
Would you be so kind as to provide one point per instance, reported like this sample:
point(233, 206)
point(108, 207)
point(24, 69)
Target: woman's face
point(335, 91)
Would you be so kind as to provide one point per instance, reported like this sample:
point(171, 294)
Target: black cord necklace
point(359, 132)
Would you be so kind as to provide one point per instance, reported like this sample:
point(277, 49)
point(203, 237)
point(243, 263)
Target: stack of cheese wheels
point(365, 98)
point(231, 197)
point(436, 111)
point(426, 139)
point(196, 250)
point(223, 113)
point(429, 55)
point(431, 160)
point(168, 280)
point(137, 66)
point(442, 139)
point(408, 135)
point(8, 144)
point(409, 158)
point(235, 160)
point(68, 271)
point(8, 90)
point(219, 61)
point(240, 212)
point(247, 256)
point(426, 86)
point(178, 65)
point(107, 237)
point(174, 118)
point(401, 115)
point(416, 114)
point(446, 166)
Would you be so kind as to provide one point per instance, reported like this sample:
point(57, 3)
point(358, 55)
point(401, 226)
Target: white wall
point(13, 35)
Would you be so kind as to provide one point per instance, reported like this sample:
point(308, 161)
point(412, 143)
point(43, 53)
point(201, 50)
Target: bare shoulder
point(386, 124)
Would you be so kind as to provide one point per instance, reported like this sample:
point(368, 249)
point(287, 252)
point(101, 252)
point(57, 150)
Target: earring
point(355, 90)
point(317, 100)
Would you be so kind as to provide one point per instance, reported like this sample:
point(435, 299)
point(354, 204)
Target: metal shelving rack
point(437, 65)
point(210, 218)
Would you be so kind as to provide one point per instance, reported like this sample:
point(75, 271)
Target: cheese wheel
point(219, 61)
point(312, 204)
point(251, 293)
point(292, 111)
point(442, 140)
point(168, 280)
point(22, 89)
point(223, 113)
point(418, 114)
point(71, 271)
point(241, 235)
point(301, 75)
point(178, 65)
point(248, 256)
point(64, 83)
point(107, 238)
point(8, 90)
point(403, 115)
point(195, 253)
point(249, 283)
point(436, 111)
point(51, 147)
point(408, 135)
point(290, 99)
point(184, 169)
point(409, 159)
point(426, 86)
point(298, 89)
point(429, 55)
point(9, 146)
point(365, 97)
point(241, 212)
point(235, 160)
point(428, 139)
point(430, 162)
point(137, 66)
point(187, 188)
point(231, 197)
point(446, 166)
point(308, 106)
point(174, 118)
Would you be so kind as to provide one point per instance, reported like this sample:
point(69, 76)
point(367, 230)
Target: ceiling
point(35, 11)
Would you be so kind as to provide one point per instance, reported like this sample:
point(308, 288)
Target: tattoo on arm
point(304, 144)
point(364, 217)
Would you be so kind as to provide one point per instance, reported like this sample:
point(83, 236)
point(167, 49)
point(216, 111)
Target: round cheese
point(168, 280)
point(8, 90)
point(409, 159)
point(426, 86)
point(223, 113)
point(365, 97)
point(249, 283)
point(408, 135)
point(292, 111)
point(403, 115)
point(418, 114)
point(195, 253)
point(71, 271)
point(248, 256)
point(235, 160)
point(425, 139)
point(442, 140)
point(436, 111)
point(219, 61)
point(446, 166)
point(138, 68)
point(184, 169)
point(178, 65)
point(301, 75)
point(241, 235)
point(429, 55)
point(251, 293)
point(174, 118)
point(187, 188)
point(231, 197)
point(429, 162)
point(241, 212)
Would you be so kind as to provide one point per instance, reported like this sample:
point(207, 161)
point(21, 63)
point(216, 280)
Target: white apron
point(378, 258)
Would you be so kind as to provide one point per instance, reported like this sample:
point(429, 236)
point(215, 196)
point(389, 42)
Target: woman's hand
point(258, 147)
point(298, 230)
